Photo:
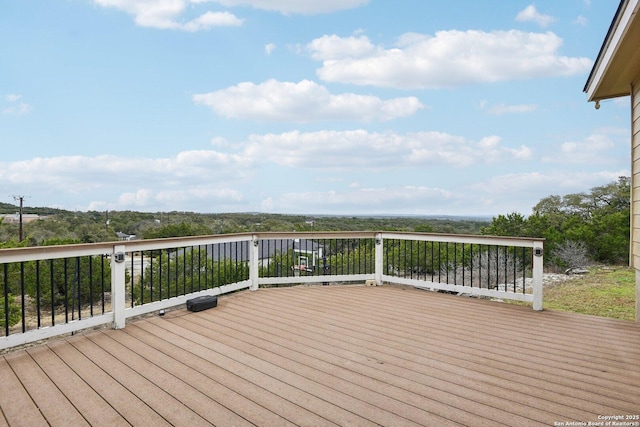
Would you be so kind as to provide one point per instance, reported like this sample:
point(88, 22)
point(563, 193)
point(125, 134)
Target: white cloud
point(500, 194)
point(581, 20)
point(405, 199)
point(167, 14)
point(520, 192)
point(76, 174)
point(212, 19)
point(12, 97)
point(205, 180)
point(219, 141)
point(14, 106)
point(360, 149)
point(603, 146)
point(269, 48)
point(531, 14)
point(304, 101)
point(145, 197)
point(448, 59)
point(303, 7)
point(500, 109)
point(334, 48)
point(170, 14)
point(592, 150)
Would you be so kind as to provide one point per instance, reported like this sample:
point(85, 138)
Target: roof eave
point(614, 36)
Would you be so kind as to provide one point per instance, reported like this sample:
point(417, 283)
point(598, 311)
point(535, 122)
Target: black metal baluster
point(90, 285)
point(455, 264)
point(160, 274)
point(446, 254)
point(78, 293)
point(433, 260)
point(38, 293)
point(5, 268)
point(488, 265)
point(22, 297)
point(439, 262)
point(133, 296)
point(102, 281)
point(497, 266)
point(506, 261)
point(199, 267)
point(51, 284)
point(471, 264)
point(464, 267)
point(184, 269)
point(177, 278)
point(66, 291)
point(515, 258)
point(524, 254)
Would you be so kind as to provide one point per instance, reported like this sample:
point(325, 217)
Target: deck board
point(53, 404)
point(93, 408)
point(332, 355)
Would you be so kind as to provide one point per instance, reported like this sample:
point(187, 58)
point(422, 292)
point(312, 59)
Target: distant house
point(125, 236)
point(307, 253)
point(15, 218)
point(616, 73)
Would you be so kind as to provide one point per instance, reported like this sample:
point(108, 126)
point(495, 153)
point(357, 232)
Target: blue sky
point(350, 107)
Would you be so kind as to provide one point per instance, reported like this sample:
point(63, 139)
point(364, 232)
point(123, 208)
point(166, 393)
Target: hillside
point(60, 226)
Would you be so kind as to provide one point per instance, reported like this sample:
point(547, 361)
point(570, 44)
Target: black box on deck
point(202, 303)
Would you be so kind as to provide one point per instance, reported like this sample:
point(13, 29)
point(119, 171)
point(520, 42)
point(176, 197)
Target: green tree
point(181, 229)
point(170, 274)
point(513, 224)
point(598, 218)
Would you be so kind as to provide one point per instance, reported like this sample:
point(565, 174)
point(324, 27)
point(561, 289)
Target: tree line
point(578, 228)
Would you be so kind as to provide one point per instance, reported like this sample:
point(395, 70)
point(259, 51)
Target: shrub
point(14, 312)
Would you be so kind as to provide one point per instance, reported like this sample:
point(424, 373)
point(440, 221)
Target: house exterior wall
point(635, 187)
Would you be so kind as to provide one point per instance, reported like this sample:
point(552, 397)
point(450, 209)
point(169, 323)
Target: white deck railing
point(501, 267)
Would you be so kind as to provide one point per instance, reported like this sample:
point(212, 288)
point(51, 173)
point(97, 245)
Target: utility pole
point(21, 199)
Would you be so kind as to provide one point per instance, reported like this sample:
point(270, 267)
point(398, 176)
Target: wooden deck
point(336, 355)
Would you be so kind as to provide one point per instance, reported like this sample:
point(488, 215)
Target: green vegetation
point(14, 311)
point(70, 282)
point(579, 228)
point(89, 227)
point(183, 272)
point(605, 292)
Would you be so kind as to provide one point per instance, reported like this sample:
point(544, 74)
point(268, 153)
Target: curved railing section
point(56, 290)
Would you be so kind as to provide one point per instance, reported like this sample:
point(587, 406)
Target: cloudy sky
point(356, 107)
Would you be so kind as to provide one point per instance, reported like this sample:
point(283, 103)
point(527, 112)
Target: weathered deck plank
point(316, 356)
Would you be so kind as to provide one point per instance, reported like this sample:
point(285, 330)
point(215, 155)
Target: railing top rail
point(85, 249)
point(34, 253)
point(465, 238)
point(316, 235)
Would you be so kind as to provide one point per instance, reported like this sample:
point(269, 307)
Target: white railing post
point(538, 263)
point(254, 266)
point(118, 292)
point(378, 260)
